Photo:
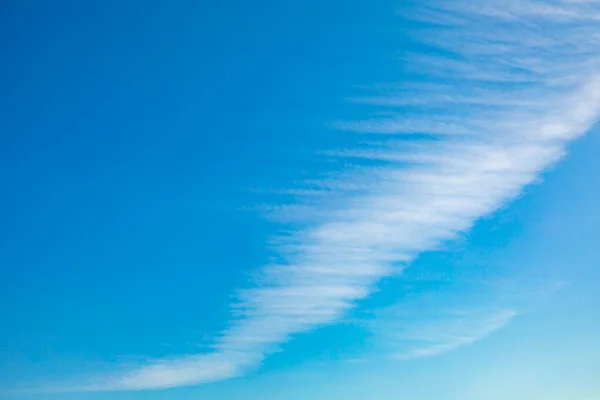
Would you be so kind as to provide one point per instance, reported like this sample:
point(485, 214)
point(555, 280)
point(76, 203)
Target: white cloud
point(516, 80)
point(443, 333)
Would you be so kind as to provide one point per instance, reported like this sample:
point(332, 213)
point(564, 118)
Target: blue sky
point(319, 199)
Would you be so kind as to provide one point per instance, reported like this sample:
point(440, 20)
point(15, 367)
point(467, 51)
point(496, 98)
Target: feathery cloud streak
point(511, 82)
point(446, 331)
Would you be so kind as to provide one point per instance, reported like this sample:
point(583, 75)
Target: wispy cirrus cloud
point(446, 331)
point(501, 89)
